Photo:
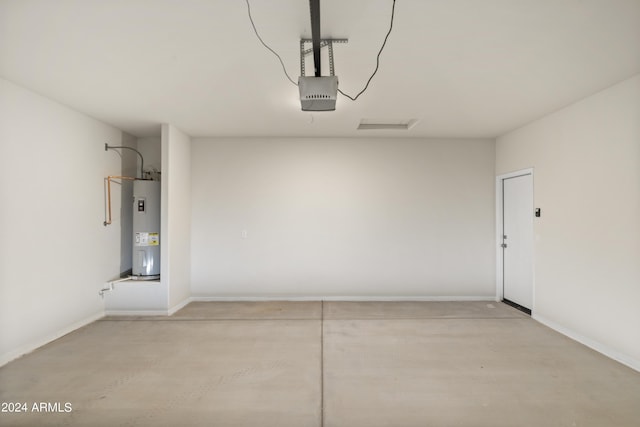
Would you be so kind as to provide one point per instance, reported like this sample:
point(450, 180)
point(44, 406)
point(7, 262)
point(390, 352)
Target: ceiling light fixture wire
point(353, 98)
point(265, 45)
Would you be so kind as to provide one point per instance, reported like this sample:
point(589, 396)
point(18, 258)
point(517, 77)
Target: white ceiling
point(463, 68)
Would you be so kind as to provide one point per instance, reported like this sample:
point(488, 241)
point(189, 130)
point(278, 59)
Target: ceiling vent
point(380, 124)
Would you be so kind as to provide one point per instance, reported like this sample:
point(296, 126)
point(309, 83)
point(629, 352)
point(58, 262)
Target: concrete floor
point(313, 364)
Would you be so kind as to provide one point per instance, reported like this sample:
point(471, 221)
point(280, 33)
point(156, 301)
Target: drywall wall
point(176, 215)
point(343, 218)
point(587, 242)
point(55, 252)
point(137, 298)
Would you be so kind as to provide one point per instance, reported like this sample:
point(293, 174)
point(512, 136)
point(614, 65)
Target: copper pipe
point(108, 179)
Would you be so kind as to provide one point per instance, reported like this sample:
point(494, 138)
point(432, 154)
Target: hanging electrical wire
point(353, 98)
point(265, 45)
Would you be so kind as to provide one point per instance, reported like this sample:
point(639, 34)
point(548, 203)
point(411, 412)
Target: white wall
point(55, 252)
point(587, 249)
point(176, 215)
point(343, 217)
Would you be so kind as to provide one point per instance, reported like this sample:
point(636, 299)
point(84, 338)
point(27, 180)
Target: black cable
point(265, 45)
point(353, 98)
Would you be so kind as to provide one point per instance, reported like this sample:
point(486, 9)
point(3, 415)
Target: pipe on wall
point(108, 180)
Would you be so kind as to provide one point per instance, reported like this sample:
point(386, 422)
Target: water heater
point(146, 230)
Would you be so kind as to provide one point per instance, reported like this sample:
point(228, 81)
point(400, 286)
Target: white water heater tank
point(146, 230)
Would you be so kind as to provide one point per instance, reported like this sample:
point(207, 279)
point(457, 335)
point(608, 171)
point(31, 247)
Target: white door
point(517, 244)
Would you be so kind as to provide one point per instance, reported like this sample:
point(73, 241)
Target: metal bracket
point(323, 43)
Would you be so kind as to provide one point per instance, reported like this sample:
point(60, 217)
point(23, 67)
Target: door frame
point(499, 231)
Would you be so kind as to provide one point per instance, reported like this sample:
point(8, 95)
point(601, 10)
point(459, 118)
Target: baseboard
point(342, 298)
point(168, 312)
point(179, 306)
point(136, 313)
point(28, 348)
point(594, 345)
